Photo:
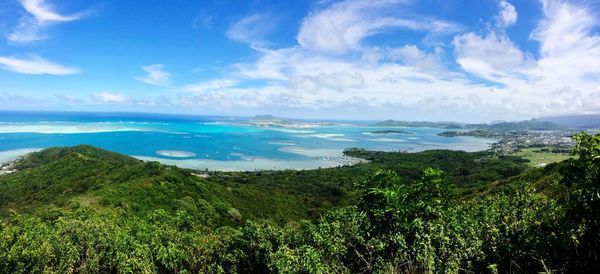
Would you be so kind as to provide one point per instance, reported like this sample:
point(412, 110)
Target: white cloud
point(342, 26)
point(412, 80)
point(308, 79)
point(299, 81)
point(106, 97)
point(28, 30)
point(340, 80)
point(35, 65)
point(68, 99)
point(252, 29)
point(561, 81)
point(491, 57)
point(337, 81)
point(44, 12)
point(155, 75)
point(41, 14)
point(411, 55)
point(508, 14)
point(211, 85)
point(569, 60)
point(13, 100)
point(566, 29)
point(416, 81)
point(270, 64)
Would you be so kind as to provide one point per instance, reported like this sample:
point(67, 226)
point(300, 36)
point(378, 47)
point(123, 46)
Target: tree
point(582, 176)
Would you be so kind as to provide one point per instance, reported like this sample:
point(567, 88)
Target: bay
point(216, 143)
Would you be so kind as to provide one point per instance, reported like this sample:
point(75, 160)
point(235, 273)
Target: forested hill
point(102, 179)
point(83, 210)
point(83, 175)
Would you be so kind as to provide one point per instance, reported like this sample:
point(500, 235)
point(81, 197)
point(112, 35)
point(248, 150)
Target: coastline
point(14, 154)
point(257, 163)
point(191, 144)
point(9, 157)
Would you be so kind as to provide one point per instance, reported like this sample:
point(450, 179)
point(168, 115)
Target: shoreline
point(15, 154)
point(318, 158)
point(314, 156)
point(257, 163)
point(9, 157)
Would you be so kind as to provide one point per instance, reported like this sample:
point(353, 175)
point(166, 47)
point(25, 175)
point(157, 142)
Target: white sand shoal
point(11, 155)
point(176, 153)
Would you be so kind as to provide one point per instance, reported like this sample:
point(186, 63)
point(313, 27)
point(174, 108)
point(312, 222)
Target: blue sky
point(355, 59)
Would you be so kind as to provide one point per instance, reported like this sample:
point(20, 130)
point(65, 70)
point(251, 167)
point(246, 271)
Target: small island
point(391, 131)
point(452, 133)
point(268, 120)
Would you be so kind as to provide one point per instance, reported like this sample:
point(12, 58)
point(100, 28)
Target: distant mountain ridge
point(266, 117)
point(576, 121)
point(544, 123)
point(445, 125)
point(533, 124)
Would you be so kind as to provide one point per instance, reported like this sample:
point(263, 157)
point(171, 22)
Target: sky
point(471, 61)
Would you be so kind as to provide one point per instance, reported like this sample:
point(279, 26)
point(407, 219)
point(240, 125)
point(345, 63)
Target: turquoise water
point(218, 143)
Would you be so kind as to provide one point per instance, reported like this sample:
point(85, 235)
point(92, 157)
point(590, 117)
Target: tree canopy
point(83, 210)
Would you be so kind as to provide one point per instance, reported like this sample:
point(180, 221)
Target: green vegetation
point(467, 171)
point(102, 179)
point(542, 156)
point(83, 209)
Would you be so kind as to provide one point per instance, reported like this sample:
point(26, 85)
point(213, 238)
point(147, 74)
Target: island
point(268, 120)
point(391, 131)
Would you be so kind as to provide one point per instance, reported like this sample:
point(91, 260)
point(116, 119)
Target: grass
point(542, 156)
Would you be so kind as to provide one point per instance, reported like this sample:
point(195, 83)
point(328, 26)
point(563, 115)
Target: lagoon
point(215, 143)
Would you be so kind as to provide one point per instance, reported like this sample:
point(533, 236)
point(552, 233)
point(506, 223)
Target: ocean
point(214, 143)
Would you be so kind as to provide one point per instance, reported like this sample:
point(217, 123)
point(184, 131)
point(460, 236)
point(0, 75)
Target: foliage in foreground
point(393, 227)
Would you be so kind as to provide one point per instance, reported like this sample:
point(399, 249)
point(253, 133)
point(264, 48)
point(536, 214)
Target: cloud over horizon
point(107, 97)
point(354, 59)
point(496, 77)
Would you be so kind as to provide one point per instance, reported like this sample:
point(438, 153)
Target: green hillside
point(101, 179)
point(83, 209)
point(67, 177)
